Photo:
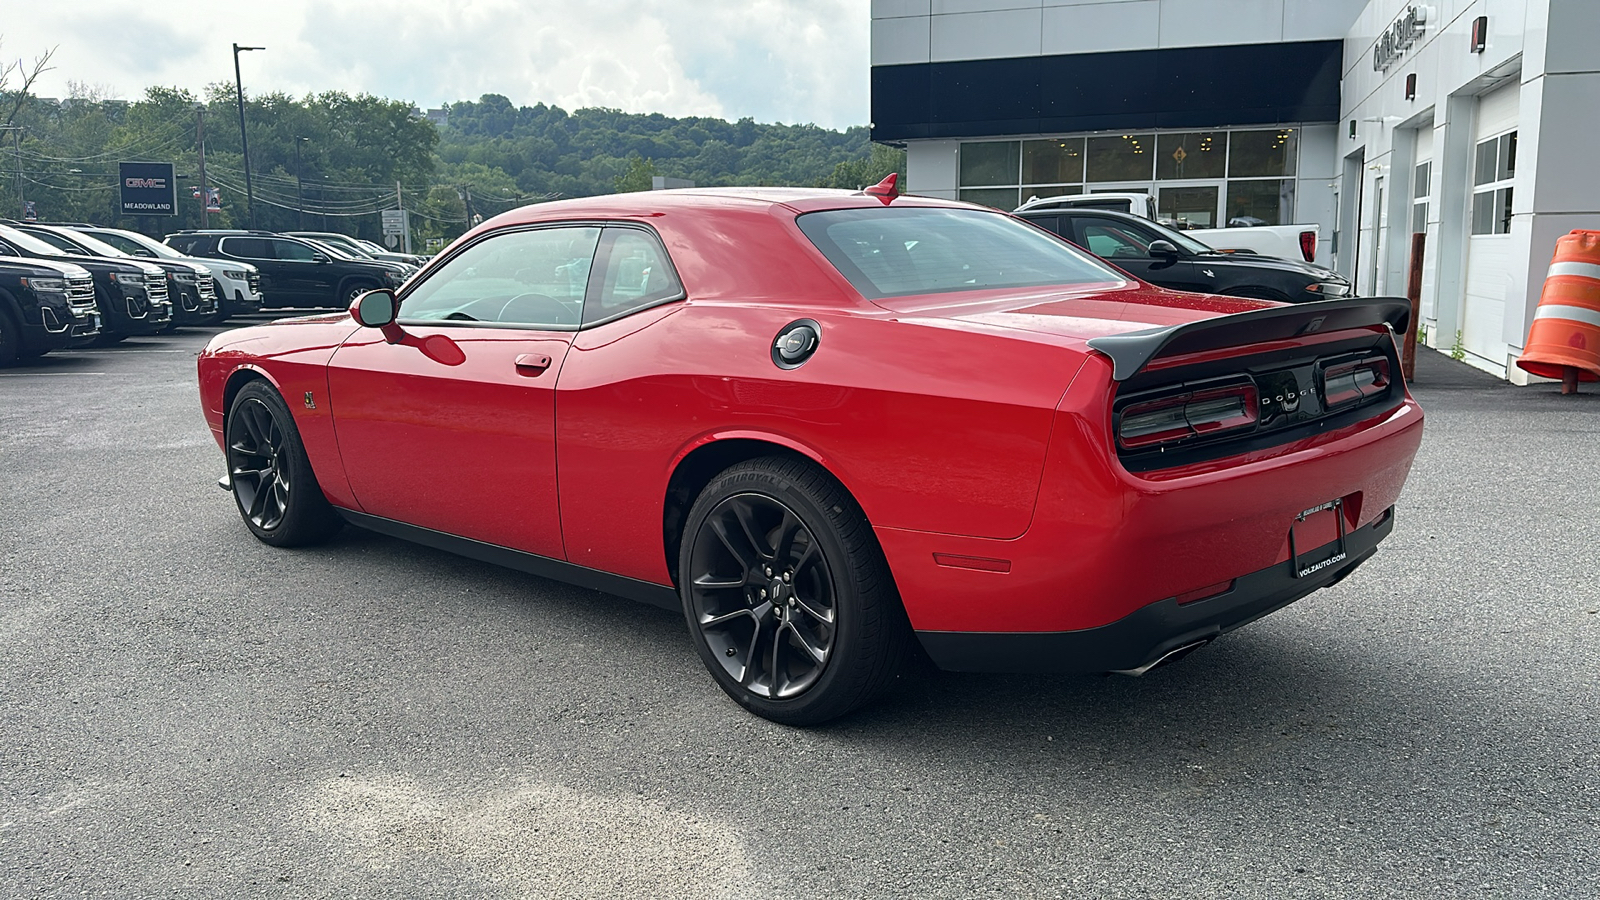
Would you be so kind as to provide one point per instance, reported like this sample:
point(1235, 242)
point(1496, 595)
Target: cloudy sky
point(774, 60)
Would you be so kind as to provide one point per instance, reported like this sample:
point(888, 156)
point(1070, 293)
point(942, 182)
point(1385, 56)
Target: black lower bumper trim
point(1153, 631)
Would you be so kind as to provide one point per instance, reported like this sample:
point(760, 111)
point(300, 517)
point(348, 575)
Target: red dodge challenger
point(830, 427)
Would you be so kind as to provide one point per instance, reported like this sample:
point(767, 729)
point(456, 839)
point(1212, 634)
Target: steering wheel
point(541, 309)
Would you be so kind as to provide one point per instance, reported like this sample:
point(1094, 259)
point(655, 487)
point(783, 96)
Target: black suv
point(130, 295)
point(194, 299)
point(43, 305)
point(293, 271)
point(1172, 259)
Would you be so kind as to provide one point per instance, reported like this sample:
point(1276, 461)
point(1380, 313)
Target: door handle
point(532, 363)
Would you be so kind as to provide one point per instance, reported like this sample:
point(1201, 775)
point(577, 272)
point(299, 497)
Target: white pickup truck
point(1282, 241)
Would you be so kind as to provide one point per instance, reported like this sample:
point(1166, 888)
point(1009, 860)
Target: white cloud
point(773, 60)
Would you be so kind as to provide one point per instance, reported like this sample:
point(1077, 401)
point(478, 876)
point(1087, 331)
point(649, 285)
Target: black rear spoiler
point(1130, 352)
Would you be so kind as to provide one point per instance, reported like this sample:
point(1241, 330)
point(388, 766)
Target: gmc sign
point(147, 189)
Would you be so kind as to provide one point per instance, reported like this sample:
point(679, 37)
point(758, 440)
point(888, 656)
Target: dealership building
point(1476, 122)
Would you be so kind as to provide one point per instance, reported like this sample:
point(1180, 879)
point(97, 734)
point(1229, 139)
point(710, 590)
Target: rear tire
point(788, 598)
point(273, 485)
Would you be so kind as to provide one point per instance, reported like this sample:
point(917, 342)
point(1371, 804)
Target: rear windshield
point(920, 250)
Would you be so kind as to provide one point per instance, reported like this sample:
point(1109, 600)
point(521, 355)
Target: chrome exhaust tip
point(1172, 655)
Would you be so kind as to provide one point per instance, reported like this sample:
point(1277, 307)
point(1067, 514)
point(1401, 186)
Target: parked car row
point(76, 284)
point(305, 269)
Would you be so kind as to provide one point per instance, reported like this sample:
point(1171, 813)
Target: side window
point(183, 245)
point(246, 247)
point(636, 274)
point(1051, 224)
point(58, 242)
point(1112, 240)
point(534, 278)
point(294, 251)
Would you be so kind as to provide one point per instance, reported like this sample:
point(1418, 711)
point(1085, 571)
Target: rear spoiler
point(1130, 352)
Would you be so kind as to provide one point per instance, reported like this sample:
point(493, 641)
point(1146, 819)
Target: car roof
point(651, 203)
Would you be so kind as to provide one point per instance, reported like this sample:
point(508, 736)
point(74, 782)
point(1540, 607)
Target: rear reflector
point(1308, 245)
point(1347, 384)
point(1188, 415)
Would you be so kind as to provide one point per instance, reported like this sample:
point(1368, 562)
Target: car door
point(277, 285)
point(453, 429)
point(1125, 244)
point(310, 282)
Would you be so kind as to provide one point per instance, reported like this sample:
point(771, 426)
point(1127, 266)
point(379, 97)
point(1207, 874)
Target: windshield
point(922, 250)
point(135, 244)
point(95, 246)
point(27, 243)
point(331, 250)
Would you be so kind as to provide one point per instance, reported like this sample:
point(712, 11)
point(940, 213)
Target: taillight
point(1345, 384)
point(1308, 245)
point(1179, 417)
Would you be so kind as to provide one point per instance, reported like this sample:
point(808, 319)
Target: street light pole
point(244, 141)
point(299, 186)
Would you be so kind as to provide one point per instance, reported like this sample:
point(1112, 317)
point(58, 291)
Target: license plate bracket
point(1300, 532)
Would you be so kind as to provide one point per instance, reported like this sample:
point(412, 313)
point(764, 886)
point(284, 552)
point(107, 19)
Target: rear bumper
point(1151, 632)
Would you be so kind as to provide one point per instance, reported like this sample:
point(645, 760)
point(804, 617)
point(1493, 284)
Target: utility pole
point(205, 189)
point(244, 141)
point(405, 226)
point(299, 186)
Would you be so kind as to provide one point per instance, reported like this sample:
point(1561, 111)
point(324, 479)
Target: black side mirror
point(1163, 249)
point(375, 309)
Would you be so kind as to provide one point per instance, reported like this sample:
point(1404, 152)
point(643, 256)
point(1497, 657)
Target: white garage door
point(1493, 173)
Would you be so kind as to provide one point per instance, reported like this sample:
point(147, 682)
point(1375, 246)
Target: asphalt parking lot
point(185, 712)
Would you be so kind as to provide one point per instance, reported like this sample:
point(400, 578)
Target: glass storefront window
point(1266, 202)
point(1255, 154)
point(989, 162)
point(1052, 162)
point(1126, 157)
point(1187, 207)
point(999, 198)
point(1191, 154)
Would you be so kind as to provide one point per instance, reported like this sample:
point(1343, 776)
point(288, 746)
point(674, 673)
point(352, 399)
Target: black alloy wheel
point(787, 595)
point(272, 482)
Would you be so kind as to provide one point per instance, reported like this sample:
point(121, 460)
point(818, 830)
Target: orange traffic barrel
point(1564, 341)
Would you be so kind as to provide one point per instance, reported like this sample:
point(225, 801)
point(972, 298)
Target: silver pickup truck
point(1282, 241)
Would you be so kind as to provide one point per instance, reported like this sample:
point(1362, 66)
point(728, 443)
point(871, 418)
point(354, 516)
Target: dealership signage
point(147, 189)
point(1399, 37)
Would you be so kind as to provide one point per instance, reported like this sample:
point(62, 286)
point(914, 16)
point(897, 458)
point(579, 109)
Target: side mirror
point(1163, 249)
point(374, 309)
point(319, 258)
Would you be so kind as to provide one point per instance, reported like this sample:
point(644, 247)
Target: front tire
point(788, 598)
point(273, 485)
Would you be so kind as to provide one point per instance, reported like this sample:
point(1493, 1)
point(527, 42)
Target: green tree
point(639, 177)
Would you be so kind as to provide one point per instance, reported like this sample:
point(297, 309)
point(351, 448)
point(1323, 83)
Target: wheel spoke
point(710, 621)
point(819, 655)
point(749, 657)
point(744, 555)
point(258, 503)
point(743, 514)
point(719, 583)
point(772, 665)
point(788, 529)
point(819, 612)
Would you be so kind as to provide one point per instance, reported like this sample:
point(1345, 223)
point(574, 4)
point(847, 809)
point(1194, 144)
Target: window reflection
point(1125, 157)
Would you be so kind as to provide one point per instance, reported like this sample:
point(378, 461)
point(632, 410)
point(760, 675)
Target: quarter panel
point(928, 425)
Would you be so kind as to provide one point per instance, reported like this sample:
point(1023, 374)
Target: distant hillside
point(548, 150)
